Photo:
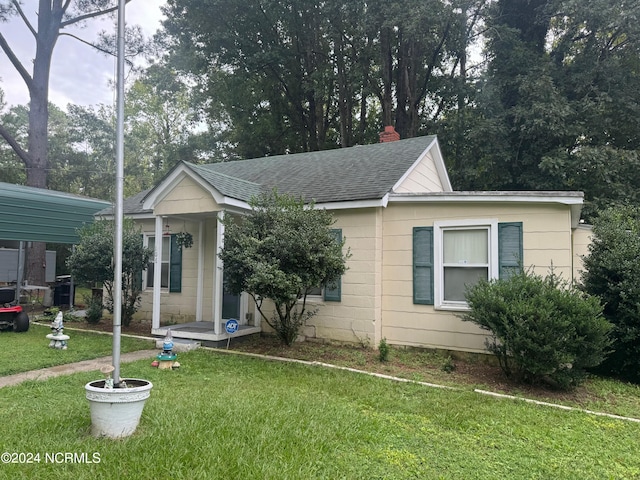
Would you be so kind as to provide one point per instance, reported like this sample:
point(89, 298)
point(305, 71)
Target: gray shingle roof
point(357, 173)
point(365, 172)
point(227, 185)
point(131, 206)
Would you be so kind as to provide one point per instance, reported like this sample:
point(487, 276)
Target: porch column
point(157, 273)
point(200, 282)
point(218, 278)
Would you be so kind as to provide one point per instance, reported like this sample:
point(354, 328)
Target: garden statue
point(57, 339)
point(166, 359)
point(108, 381)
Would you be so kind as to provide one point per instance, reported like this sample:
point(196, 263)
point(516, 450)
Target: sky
point(79, 74)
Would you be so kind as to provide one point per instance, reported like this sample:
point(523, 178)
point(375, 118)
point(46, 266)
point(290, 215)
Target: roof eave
point(574, 200)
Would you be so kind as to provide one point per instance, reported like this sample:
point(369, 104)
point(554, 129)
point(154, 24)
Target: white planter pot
point(115, 413)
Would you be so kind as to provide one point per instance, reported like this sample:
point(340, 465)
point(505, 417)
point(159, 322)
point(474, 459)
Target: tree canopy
point(524, 95)
point(299, 76)
point(554, 107)
point(53, 18)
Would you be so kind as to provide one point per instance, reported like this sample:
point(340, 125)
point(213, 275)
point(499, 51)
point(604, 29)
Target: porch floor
point(204, 331)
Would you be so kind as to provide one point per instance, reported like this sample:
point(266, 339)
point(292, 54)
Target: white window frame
point(145, 283)
point(491, 225)
point(315, 298)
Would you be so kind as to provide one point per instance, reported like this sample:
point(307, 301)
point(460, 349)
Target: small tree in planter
point(92, 262)
point(282, 251)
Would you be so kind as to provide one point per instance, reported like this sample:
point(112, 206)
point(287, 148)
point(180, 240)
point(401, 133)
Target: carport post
point(20, 272)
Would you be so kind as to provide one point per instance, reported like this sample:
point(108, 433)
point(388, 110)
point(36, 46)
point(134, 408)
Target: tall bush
point(613, 274)
point(92, 262)
point(281, 251)
point(542, 330)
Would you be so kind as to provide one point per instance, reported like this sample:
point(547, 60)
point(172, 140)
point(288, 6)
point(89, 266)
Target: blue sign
point(231, 326)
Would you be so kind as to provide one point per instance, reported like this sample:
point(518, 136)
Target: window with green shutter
point(423, 265)
point(510, 248)
point(171, 264)
point(451, 256)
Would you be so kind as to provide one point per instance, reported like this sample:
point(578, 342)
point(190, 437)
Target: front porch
point(204, 331)
point(189, 286)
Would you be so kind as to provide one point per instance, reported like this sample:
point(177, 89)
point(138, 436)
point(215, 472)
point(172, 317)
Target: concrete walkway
point(84, 366)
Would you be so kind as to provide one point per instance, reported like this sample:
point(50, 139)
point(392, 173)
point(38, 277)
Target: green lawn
point(231, 417)
point(29, 350)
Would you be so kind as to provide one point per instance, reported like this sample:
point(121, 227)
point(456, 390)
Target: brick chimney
point(389, 134)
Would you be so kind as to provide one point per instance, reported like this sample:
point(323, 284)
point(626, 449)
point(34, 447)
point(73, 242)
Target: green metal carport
point(39, 215)
point(30, 214)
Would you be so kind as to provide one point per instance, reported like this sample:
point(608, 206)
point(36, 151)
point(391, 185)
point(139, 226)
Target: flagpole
point(119, 204)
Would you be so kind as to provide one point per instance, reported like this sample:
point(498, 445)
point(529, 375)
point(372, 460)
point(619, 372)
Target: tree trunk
point(387, 76)
point(37, 162)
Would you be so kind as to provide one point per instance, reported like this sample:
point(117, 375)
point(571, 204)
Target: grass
point(596, 394)
point(29, 350)
point(230, 417)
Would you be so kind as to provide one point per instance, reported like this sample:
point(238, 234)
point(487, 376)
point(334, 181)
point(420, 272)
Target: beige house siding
point(581, 240)
point(356, 318)
point(546, 240)
point(187, 197)
point(423, 178)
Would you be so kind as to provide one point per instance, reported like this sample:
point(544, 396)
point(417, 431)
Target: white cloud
point(79, 74)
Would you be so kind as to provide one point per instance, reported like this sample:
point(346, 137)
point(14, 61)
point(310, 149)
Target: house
point(415, 242)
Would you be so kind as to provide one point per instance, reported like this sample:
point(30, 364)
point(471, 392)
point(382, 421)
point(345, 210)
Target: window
point(464, 255)
point(315, 292)
point(171, 264)
point(332, 291)
point(453, 255)
point(166, 255)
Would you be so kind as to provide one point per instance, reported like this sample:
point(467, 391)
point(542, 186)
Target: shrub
point(94, 308)
point(542, 329)
point(281, 251)
point(613, 274)
point(383, 350)
point(92, 262)
point(448, 365)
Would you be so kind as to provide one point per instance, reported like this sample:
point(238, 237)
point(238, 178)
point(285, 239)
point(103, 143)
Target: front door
point(230, 304)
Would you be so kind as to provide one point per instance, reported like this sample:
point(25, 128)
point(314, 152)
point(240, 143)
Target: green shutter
point(175, 266)
point(333, 290)
point(510, 248)
point(138, 278)
point(423, 265)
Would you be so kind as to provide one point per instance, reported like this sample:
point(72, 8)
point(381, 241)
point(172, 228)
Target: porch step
point(180, 344)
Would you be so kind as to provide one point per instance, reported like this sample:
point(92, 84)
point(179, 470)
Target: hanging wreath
point(184, 239)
